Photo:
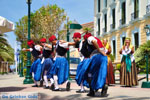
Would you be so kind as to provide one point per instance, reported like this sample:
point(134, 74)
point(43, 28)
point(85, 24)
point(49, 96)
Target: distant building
point(117, 19)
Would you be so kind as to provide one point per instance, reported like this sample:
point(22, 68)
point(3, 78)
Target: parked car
point(73, 65)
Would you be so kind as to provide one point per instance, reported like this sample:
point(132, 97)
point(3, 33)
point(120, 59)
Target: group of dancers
point(95, 71)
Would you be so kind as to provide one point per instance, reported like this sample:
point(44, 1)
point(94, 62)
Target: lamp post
point(73, 25)
point(21, 69)
point(68, 34)
point(28, 78)
point(68, 52)
point(147, 83)
point(19, 66)
point(18, 59)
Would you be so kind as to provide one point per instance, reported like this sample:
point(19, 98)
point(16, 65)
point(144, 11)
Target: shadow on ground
point(98, 97)
point(70, 97)
point(10, 89)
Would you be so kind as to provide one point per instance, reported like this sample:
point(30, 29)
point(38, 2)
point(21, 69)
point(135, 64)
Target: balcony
point(112, 26)
point(134, 15)
point(147, 9)
point(97, 33)
point(104, 30)
point(122, 21)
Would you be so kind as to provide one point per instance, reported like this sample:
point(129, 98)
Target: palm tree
point(6, 52)
point(87, 29)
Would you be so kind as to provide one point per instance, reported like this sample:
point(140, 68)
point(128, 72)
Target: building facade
point(116, 19)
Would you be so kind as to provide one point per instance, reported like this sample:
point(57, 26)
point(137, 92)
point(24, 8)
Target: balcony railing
point(122, 21)
point(104, 30)
point(148, 9)
point(112, 26)
point(134, 15)
point(97, 33)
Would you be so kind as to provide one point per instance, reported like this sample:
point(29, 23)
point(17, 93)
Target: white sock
point(55, 81)
point(32, 74)
point(51, 80)
point(67, 81)
point(41, 79)
point(45, 79)
point(82, 87)
point(35, 82)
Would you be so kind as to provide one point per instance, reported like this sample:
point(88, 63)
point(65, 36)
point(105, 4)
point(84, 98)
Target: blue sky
point(80, 10)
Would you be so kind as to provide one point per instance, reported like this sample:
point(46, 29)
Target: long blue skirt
point(81, 69)
point(98, 70)
point(36, 68)
point(61, 69)
point(47, 65)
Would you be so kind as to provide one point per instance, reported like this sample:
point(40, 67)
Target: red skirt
point(110, 79)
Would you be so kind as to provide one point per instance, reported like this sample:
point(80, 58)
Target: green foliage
point(118, 66)
point(6, 52)
point(24, 72)
point(2, 73)
point(140, 54)
point(112, 57)
point(87, 29)
point(45, 22)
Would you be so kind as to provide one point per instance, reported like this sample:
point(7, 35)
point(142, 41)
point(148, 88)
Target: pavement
point(12, 85)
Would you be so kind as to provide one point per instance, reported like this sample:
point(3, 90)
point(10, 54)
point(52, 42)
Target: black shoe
point(41, 83)
point(52, 86)
point(104, 90)
point(96, 90)
point(57, 89)
point(35, 85)
point(81, 91)
point(46, 87)
point(68, 86)
point(91, 94)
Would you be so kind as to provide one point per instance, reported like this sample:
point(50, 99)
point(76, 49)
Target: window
point(98, 26)
point(114, 48)
point(74, 60)
point(123, 13)
point(136, 40)
point(105, 19)
point(98, 5)
point(136, 8)
point(113, 18)
point(123, 39)
point(105, 3)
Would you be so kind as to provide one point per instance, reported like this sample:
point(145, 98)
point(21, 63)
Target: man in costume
point(92, 70)
point(60, 68)
point(36, 66)
point(97, 68)
point(84, 60)
point(47, 63)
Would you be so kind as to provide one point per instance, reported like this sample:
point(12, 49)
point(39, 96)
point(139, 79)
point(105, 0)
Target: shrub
point(112, 57)
point(24, 72)
point(118, 66)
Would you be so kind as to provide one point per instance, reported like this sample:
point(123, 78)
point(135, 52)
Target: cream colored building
point(117, 19)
